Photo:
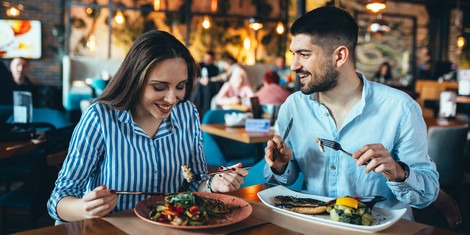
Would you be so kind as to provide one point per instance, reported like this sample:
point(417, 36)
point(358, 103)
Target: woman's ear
point(341, 55)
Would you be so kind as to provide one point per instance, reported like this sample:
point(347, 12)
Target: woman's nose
point(171, 97)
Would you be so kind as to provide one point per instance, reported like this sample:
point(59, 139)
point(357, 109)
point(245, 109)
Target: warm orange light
point(214, 5)
point(280, 28)
point(89, 11)
point(13, 12)
point(206, 23)
point(246, 43)
point(119, 18)
point(376, 6)
point(460, 42)
point(156, 5)
point(255, 24)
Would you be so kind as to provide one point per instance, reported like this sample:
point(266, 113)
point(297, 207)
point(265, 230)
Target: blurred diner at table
point(271, 92)
point(16, 80)
point(236, 90)
point(137, 135)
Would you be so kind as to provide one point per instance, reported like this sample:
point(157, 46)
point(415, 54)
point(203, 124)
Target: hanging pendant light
point(213, 5)
point(375, 5)
point(255, 24)
point(119, 18)
point(156, 5)
point(461, 42)
point(206, 23)
point(91, 43)
point(280, 28)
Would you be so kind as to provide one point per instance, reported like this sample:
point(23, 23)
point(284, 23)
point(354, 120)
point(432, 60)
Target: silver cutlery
point(286, 134)
point(199, 177)
point(141, 193)
point(336, 146)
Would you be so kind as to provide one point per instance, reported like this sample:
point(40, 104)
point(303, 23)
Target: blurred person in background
point(384, 73)
point(206, 88)
point(236, 91)
point(271, 92)
point(16, 80)
point(282, 70)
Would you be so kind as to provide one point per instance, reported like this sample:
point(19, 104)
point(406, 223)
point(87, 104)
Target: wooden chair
point(443, 213)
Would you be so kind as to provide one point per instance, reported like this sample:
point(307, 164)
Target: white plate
point(384, 218)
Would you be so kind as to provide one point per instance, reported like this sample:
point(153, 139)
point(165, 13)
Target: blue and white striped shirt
point(108, 148)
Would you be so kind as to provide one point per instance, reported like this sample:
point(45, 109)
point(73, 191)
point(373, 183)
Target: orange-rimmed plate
point(241, 211)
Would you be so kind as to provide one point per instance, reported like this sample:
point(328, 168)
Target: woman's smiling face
point(164, 87)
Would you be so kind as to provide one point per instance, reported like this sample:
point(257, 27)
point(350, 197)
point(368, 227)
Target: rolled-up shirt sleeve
point(422, 186)
point(86, 147)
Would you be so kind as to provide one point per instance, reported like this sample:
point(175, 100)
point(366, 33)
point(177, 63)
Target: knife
point(286, 133)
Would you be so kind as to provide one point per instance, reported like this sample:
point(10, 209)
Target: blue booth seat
point(221, 151)
point(255, 176)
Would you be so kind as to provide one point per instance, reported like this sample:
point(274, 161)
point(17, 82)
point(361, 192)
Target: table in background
point(442, 122)
point(238, 133)
point(9, 149)
point(272, 223)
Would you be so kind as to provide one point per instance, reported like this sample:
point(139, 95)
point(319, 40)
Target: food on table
point(301, 205)
point(187, 173)
point(19, 26)
point(350, 210)
point(320, 146)
point(188, 209)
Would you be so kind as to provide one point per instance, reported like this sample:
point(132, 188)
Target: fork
point(199, 177)
point(336, 146)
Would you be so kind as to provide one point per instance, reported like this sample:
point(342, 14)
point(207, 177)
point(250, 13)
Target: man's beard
point(320, 84)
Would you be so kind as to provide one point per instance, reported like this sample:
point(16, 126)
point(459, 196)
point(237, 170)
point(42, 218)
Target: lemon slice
point(347, 201)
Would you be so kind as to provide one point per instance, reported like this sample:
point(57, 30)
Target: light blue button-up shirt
point(109, 148)
point(383, 115)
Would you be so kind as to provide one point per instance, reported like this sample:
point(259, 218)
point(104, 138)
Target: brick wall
point(47, 69)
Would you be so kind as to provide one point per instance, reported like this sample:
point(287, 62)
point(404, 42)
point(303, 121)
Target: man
point(206, 88)
point(15, 81)
point(381, 126)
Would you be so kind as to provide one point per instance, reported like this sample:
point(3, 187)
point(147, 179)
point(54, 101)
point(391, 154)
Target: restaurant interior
point(74, 47)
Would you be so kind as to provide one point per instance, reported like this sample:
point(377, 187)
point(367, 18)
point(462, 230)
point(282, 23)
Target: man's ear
point(341, 55)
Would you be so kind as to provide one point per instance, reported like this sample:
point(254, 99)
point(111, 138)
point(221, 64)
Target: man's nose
point(295, 64)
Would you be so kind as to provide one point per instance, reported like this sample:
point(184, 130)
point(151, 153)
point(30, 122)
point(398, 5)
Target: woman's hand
point(99, 202)
point(228, 182)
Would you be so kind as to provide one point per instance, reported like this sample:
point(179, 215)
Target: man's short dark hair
point(211, 53)
point(329, 27)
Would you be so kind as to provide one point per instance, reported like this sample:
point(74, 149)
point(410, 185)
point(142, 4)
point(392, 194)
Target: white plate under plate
point(384, 218)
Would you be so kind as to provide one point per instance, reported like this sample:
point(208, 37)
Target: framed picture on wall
point(387, 38)
point(20, 38)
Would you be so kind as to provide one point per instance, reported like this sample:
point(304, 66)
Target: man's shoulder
point(382, 93)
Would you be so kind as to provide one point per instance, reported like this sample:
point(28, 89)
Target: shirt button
point(156, 172)
point(333, 167)
point(326, 114)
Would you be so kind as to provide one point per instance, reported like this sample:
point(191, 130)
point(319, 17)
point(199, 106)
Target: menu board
point(20, 38)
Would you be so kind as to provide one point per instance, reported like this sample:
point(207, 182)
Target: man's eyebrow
point(301, 50)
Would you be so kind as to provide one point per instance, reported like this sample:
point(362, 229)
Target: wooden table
point(262, 221)
point(441, 122)
point(237, 133)
point(10, 149)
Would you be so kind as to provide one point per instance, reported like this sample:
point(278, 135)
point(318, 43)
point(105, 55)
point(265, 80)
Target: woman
point(384, 73)
point(236, 90)
point(137, 135)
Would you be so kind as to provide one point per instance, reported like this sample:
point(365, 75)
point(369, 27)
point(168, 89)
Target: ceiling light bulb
point(206, 23)
point(460, 42)
point(156, 5)
point(376, 6)
point(280, 28)
point(119, 18)
point(13, 12)
point(255, 24)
